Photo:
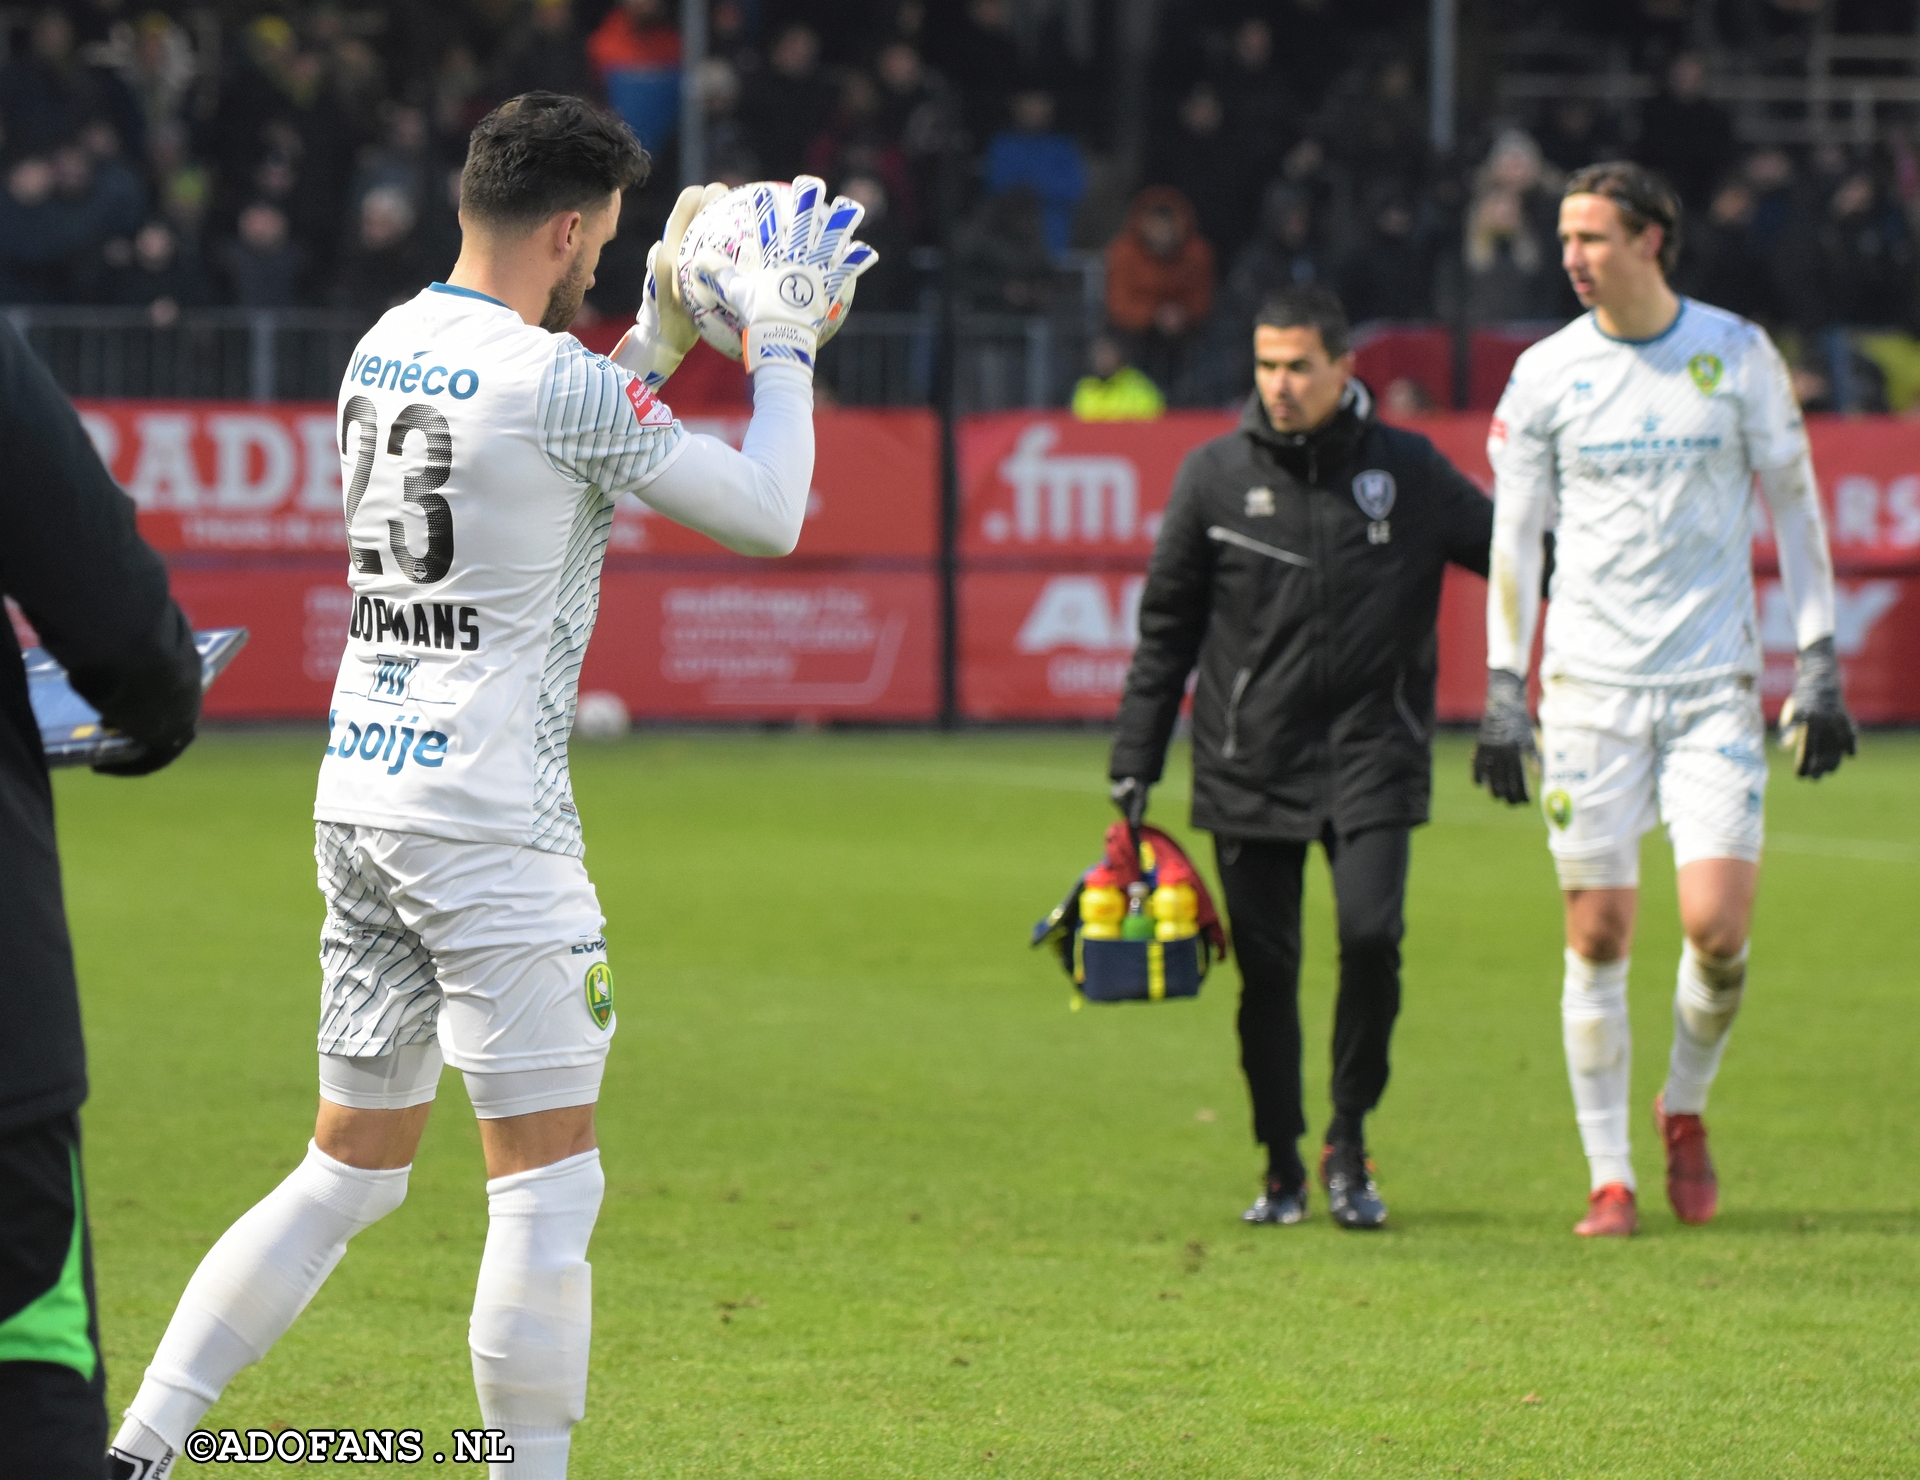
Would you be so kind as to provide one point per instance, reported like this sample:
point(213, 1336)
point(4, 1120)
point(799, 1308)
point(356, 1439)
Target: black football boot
point(1278, 1204)
point(1352, 1199)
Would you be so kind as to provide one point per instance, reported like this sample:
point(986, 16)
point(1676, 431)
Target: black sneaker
point(1352, 1199)
point(1278, 1205)
point(124, 1466)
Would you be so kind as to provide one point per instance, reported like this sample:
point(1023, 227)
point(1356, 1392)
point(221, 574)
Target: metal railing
point(205, 353)
point(878, 359)
point(882, 359)
point(1814, 88)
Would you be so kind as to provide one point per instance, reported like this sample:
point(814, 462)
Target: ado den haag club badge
point(1374, 492)
point(600, 992)
point(1706, 371)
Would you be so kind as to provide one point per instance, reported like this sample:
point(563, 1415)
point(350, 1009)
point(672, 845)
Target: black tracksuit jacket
point(97, 595)
point(1301, 576)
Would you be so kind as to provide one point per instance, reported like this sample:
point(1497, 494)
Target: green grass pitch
point(879, 1205)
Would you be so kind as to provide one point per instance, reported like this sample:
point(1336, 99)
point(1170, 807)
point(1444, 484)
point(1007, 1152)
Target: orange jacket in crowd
point(623, 40)
point(1139, 282)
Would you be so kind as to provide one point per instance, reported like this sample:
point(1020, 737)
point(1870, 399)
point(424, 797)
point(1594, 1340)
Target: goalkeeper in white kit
point(482, 449)
point(1636, 435)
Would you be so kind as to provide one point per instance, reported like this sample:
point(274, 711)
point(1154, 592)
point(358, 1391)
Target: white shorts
point(487, 955)
point(1616, 759)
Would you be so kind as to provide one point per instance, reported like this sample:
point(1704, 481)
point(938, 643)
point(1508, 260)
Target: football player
point(482, 449)
point(1636, 434)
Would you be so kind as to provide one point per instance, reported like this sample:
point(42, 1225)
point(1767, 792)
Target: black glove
point(149, 758)
point(1506, 738)
point(1130, 796)
point(1814, 720)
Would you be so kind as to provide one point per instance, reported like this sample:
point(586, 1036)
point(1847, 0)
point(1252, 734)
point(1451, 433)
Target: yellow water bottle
point(1101, 909)
point(1176, 911)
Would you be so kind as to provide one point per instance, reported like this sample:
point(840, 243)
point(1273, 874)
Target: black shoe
point(1352, 1199)
point(123, 1466)
point(1278, 1205)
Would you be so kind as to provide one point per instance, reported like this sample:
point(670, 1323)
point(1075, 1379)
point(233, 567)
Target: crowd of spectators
point(176, 157)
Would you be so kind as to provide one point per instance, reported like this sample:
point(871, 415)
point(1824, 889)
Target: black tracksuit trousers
point(53, 1414)
point(1262, 881)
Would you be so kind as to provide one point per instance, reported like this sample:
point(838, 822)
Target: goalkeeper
point(482, 449)
point(1639, 431)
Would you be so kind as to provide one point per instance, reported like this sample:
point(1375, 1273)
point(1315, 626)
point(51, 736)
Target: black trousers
point(1263, 882)
point(53, 1383)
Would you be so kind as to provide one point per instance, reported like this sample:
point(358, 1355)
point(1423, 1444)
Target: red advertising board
point(1868, 469)
point(1055, 513)
point(1048, 644)
point(240, 479)
point(769, 643)
point(1042, 485)
point(296, 614)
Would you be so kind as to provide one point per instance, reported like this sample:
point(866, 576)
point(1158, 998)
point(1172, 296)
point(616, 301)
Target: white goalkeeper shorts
point(1616, 759)
point(484, 955)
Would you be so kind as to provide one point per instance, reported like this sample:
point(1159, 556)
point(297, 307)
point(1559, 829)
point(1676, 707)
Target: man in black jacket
point(1298, 568)
point(97, 596)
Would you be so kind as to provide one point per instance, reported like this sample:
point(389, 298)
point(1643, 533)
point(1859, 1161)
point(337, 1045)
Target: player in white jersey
point(481, 451)
point(1636, 435)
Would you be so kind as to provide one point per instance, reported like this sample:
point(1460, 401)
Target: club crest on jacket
point(1374, 492)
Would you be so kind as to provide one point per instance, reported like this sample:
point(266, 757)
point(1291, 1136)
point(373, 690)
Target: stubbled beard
point(567, 295)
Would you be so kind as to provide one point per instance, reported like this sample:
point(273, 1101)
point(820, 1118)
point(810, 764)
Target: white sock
point(136, 1441)
point(1705, 1001)
point(533, 1312)
point(251, 1286)
point(1599, 1043)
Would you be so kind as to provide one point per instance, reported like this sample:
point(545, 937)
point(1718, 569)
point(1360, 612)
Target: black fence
point(999, 361)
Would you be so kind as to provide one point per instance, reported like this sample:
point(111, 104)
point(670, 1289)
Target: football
point(727, 227)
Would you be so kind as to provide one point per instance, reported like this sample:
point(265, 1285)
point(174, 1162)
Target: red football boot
point(1610, 1213)
point(1692, 1187)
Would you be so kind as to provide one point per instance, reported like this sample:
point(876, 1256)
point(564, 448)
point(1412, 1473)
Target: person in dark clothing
point(1001, 261)
point(1297, 571)
point(1262, 105)
point(544, 53)
point(1209, 164)
point(1286, 254)
point(265, 266)
point(1722, 262)
point(383, 265)
point(46, 93)
point(789, 103)
point(152, 272)
point(97, 597)
point(1389, 273)
point(1687, 136)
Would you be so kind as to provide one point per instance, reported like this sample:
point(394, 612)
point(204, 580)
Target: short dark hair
point(1308, 306)
point(1642, 197)
point(544, 152)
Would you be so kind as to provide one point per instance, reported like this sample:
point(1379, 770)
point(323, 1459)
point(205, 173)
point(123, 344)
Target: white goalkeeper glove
point(662, 331)
point(803, 281)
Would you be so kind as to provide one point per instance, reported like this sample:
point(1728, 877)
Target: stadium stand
point(226, 192)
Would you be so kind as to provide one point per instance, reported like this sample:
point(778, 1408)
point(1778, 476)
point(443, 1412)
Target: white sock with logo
point(533, 1312)
point(1705, 1002)
point(249, 1289)
point(1599, 1044)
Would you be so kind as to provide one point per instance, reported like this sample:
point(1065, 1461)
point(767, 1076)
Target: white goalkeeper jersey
point(480, 457)
point(1641, 456)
